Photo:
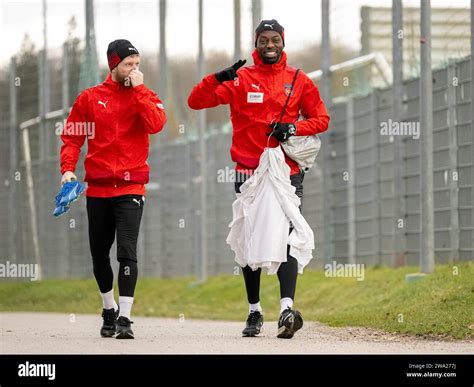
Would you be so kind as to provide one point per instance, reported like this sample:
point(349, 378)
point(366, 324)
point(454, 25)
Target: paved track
point(48, 333)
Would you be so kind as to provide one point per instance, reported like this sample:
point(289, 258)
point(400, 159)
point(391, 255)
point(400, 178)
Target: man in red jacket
point(122, 112)
point(257, 95)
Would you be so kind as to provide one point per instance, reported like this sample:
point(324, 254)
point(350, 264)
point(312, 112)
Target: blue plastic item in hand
point(68, 194)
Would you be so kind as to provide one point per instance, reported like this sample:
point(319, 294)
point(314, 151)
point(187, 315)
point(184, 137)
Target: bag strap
point(289, 95)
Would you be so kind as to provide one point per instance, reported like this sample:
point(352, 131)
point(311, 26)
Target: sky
point(137, 21)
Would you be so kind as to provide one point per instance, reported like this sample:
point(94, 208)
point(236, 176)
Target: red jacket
point(117, 121)
point(250, 120)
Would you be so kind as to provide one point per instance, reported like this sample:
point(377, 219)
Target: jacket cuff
point(66, 168)
point(212, 80)
point(140, 89)
point(302, 130)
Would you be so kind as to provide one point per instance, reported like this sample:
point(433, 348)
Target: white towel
point(261, 218)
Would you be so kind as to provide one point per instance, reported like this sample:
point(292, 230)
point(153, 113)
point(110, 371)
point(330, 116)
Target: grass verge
point(440, 304)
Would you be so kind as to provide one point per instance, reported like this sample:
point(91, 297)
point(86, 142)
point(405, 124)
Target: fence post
point(351, 231)
point(237, 22)
point(325, 52)
point(256, 17)
point(31, 199)
point(203, 158)
point(13, 149)
point(65, 263)
point(427, 261)
point(326, 143)
point(453, 162)
point(163, 58)
point(65, 81)
point(376, 179)
point(41, 108)
point(398, 242)
point(39, 173)
point(472, 123)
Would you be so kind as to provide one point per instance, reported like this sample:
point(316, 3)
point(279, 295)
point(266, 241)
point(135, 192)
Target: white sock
point(108, 300)
point(125, 306)
point(255, 307)
point(285, 303)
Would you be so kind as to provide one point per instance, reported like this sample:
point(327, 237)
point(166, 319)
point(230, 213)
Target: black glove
point(281, 131)
point(230, 73)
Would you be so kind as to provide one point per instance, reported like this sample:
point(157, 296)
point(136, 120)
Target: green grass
point(440, 304)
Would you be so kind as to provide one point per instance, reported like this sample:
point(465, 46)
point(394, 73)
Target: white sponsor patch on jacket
point(253, 97)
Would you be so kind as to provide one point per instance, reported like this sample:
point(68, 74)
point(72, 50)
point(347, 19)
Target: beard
point(270, 60)
point(122, 79)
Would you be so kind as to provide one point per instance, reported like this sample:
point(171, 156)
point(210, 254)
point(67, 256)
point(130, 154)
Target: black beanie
point(118, 50)
point(270, 25)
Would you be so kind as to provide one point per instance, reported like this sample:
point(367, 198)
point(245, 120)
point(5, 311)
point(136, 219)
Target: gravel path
point(48, 333)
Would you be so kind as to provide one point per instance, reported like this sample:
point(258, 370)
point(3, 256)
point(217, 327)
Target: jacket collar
point(267, 67)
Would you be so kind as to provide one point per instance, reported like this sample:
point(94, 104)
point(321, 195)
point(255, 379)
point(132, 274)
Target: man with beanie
point(257, 95)
point(122, 112)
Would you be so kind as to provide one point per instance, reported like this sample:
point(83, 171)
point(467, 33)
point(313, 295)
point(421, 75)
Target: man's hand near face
point(135, 77)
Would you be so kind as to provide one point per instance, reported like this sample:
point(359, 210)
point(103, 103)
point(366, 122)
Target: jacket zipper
point(115, 149)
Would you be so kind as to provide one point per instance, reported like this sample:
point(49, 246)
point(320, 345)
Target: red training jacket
point(256, 99)
point(116, 120)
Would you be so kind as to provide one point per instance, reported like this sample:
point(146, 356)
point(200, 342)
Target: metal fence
point(361, 191)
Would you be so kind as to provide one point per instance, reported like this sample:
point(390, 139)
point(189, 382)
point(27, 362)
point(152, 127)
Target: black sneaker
point(110, 322)
point(124, 329)
point(290, 321)
point(253, 325)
